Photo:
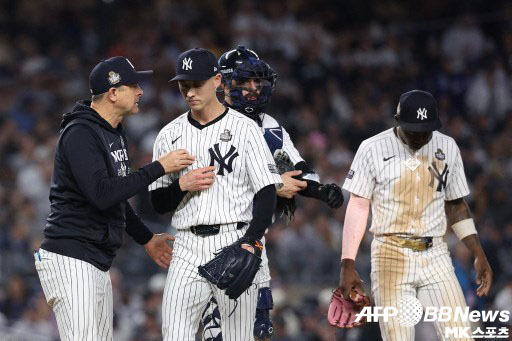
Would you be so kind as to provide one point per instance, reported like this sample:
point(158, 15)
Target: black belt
point(210, 230)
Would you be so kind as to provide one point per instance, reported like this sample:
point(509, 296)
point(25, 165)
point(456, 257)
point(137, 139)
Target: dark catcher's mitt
point(343, 311)
point(233, 269)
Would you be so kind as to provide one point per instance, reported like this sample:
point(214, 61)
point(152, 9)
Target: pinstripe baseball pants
point(427, 275)
point(186, 293)
point(79, 294)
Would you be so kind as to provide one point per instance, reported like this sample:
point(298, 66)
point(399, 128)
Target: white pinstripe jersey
point(406, 201)
point(278, 138)
point(234, 144)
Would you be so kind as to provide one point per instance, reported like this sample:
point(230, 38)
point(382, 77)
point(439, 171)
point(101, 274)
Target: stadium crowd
point(341, 67)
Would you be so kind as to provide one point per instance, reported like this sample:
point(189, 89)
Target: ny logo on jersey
point(441, 177)
point(221, 160)
point(187, 64)
point(422, 114)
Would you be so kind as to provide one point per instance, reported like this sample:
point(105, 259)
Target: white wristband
point(464, 228)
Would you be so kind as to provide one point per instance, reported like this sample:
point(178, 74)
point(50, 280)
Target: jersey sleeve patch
point(350, 174)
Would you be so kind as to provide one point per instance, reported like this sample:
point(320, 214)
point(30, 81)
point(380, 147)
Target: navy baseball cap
point(114, 72)
point(418, 112)
point(196, 65)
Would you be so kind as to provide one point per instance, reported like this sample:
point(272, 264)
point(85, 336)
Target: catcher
point(248, 83)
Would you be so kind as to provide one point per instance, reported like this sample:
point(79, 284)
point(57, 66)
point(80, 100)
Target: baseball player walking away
point(413, 178)
point(91, 183)
point(228, 193)
point(248, 83)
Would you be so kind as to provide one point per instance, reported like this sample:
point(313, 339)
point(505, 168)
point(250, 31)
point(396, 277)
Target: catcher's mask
point(241, 66)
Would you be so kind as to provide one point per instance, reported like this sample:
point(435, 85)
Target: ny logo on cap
point(422, 114)
point(187, 64)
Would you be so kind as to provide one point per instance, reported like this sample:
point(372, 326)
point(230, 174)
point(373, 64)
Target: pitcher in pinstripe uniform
point(228, 193)
point(413, 178)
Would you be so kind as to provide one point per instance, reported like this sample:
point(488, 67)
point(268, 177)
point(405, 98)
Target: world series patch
point(440, 155)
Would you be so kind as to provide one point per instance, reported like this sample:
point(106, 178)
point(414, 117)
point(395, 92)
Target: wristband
point(464, 228)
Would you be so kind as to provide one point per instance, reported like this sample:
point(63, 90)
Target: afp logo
point(408, 311)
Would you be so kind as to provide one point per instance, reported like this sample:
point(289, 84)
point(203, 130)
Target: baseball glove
point(285, 207)
point(343, 311)
point(331, 194)
point(233, 268)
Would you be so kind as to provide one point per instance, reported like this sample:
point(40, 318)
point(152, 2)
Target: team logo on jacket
point(226, 136)
point(440, 155)
point(113, 78)
point(225, 161)
point(123, 170)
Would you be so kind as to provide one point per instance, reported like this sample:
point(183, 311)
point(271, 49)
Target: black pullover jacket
point(90, 185)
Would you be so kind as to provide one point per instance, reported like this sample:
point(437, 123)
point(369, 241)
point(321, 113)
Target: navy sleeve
point(85, 158)
point(167, 199)
point(135, 227)
point(264, 205)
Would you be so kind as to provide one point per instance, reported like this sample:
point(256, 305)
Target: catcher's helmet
point(239, 65)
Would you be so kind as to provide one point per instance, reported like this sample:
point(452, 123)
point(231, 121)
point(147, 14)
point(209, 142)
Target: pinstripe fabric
point(79, 294)
point(410, 202)
point(230, 198)
point(269, 126)
point(226, 202)
point(290, 149)
point(427, 275)
point(186, 293)
point(405, 201)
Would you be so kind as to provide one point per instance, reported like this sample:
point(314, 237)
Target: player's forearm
point(456, 211)
point(459, 218)
point(472, 242)
point(135, 227)
point(354, 226)
point(111, 190)
point(312, 190)
point(264, 205)
point(167, 199)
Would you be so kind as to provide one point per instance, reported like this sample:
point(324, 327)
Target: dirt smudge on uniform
point(412, 195)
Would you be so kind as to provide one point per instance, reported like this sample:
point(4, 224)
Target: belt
point(211, 230)
point(414, 243)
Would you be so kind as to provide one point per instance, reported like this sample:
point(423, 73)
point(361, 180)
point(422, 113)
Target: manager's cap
point(114, 72)
point(417, 111)
point(196, 65)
